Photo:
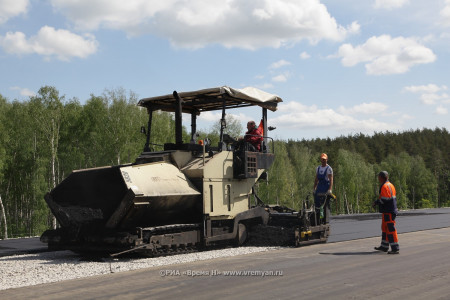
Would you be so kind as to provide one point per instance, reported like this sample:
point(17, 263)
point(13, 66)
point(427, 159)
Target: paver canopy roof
point(214, 99)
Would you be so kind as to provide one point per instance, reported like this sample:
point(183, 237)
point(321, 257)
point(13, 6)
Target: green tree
point(423, 185)
point(122, 125)
point(399, 169)
point(91, 132)
point(353, 182)
point(26, 173)
point(71, 155)
point(233, 127)
point(3, 140)
point(281, 187)
point(304, 163)
point(415, 184)
point(47, 110)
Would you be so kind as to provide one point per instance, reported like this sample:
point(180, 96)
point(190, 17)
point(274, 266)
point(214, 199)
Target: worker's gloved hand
point(331, 196)
point(375, 203)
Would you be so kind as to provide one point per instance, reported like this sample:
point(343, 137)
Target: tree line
point(417, 160)
point(47, 136)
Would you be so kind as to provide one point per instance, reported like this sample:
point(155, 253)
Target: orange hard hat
point(323, 155)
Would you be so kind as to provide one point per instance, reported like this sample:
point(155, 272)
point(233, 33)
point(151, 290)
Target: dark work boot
point(394, 251)
point(381, 249)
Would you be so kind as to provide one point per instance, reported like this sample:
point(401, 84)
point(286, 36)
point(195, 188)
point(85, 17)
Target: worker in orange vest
point(387, 204)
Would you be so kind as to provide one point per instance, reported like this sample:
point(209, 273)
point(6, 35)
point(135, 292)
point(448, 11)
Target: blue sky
point(341, 67)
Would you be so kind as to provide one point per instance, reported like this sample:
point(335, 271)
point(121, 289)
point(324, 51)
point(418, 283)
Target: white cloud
point(243, 118)
point(197, 23)
point(404, 117)
point(445, 13)
point(429, 99)
point(429, 88)
point(304, 55)
point(281, 77)
point(440, 110)
point(385, 55)
point(23, 91)
point(364, 108)
point(209, 116)
point(445, 35)
point(50, 42)
point(12, 8)
point(265, 86)
point(389, 4)
point(430, 94)
point(299, 116)
point(279, 64)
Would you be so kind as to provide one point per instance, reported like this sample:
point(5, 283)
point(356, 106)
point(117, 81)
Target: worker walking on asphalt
point(387, 204)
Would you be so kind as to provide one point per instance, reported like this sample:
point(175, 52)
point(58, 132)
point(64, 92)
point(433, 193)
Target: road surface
point(342, 270)
point(345, 268)
point(343, 228)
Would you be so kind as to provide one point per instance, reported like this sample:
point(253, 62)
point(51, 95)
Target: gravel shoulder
point(32, 269)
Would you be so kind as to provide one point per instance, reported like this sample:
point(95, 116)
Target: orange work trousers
point(389, 232)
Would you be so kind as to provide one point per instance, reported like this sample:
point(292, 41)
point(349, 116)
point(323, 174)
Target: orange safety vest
point(388, 199)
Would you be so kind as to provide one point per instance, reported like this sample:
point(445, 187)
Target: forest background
point(46, 137)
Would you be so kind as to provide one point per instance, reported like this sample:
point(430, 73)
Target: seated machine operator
point(250, 142)
point(253, 136)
